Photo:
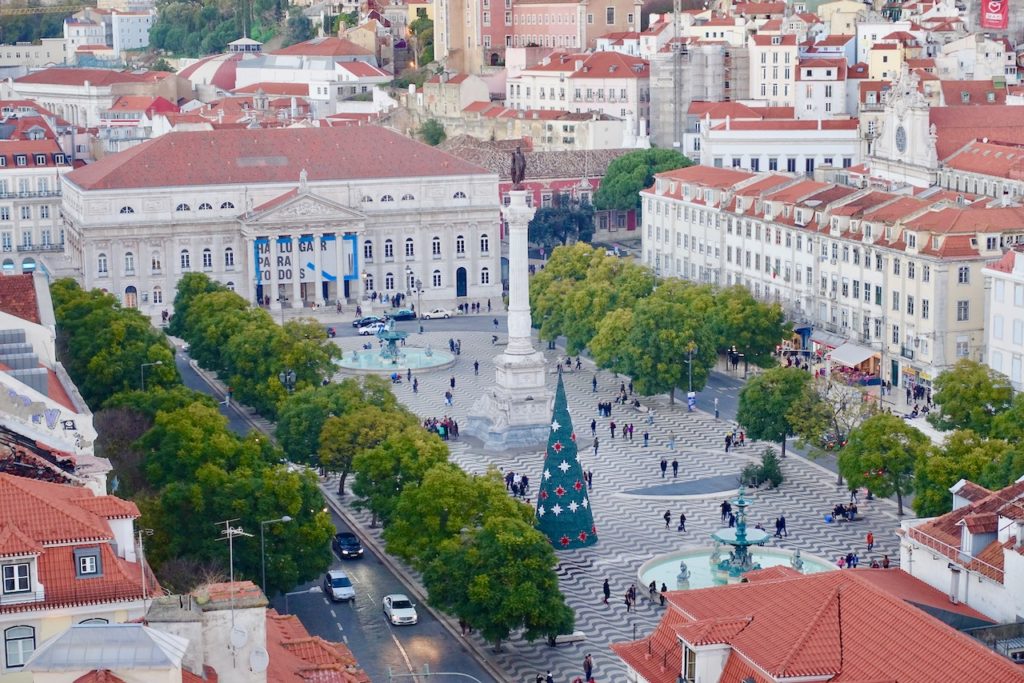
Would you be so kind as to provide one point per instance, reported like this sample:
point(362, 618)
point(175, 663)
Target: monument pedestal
point(516, 412)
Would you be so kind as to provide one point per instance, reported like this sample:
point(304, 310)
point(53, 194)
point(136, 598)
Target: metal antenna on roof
point(228, 534)
point(142, 571)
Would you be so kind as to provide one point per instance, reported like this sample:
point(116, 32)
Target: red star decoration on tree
point(560, 491)
point(543, 495)
point(578, 485)
point(573, 437)
point(557, 447)
point(593, 528)
point(565, 540)
point(583, 536)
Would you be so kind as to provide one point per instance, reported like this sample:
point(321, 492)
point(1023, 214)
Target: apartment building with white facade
point(773, 61)
point(789, 145)
point(1004, 316)
point(821, 89)
point(899, 275)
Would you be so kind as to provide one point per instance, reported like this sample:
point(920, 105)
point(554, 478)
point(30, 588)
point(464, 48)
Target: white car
point(337, 586)
point(437, 313)
point(399, 610)
point(371, 329)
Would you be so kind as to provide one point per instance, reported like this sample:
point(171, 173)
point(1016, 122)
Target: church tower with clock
point(903, 148)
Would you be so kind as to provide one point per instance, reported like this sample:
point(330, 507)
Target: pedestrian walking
point(661, 594)
point(611, 426)
point(416, 386)
point(870, 541)
point(682, 523)
point(647, 437)
point(452, 381)
point(664, 467)
point(726, 509)
point(732, 520)
point(630, 431)
point(782, 526)
point(853, 496)
point(668, 517)
point(778, 528)
point(672, 441)
point(590, 479)
point(548, 678)
point(593, 384)
point(629, 602)
point(675, 468)
point(607, 590)
point(476, 367)
point(448, 398)
point(728, 442)
point(593, 427)
point(408, 375)
point(588, 668)
point(595, 446)
point(885, 561)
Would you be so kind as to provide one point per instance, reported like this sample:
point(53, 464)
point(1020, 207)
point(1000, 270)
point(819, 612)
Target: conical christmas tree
point(563, 504)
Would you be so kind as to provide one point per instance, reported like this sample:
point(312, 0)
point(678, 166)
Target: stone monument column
point(516, 411)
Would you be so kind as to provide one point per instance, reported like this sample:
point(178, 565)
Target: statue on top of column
point(518, 168)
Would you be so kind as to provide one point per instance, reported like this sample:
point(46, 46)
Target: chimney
point(579, 64)
point(819, 124)
point(1019, 543)
point(728, 123)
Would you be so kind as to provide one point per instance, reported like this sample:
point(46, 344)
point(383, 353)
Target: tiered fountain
point(740, 559)
point(392, 358)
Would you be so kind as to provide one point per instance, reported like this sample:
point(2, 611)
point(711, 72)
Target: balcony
point(29, 195)
point(39, 247)
point(907, 352)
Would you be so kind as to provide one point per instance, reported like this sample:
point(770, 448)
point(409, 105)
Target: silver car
point(337, 586)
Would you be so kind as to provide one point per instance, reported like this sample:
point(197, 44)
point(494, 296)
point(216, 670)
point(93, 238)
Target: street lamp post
point(142, 372)
point(287, 379)
point(282, 300)
point(418, 285)
point(263, 547)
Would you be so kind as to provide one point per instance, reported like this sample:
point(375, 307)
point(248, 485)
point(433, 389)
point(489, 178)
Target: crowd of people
point(446, 427)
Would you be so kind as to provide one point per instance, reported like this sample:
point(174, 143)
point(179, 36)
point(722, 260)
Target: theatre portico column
point(318, 295)
point(251, 266)
point(275, 281)
point(295, 267)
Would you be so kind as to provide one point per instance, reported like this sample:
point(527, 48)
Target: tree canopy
point(632, 172)
point(766, 403)
point(882, 454)
point(202, 27)
point(566, 220)
point(432, 132)
point(969, 396)
point(752, 326)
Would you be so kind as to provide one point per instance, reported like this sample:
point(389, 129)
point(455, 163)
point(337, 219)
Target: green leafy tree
point(632, 172)
point(566, 268)
point(432, 132)
point(361, 429)
point(303, 414)
point(190, 287)
point(158, 399)
point(656, 341)
point(566, 220)
point(753, 327)
point(964, 455)
point(401, 460)
point(445, 502)
point(298, 28)
point(500, 578)
point(766, 402)
point(611, 283)
point(882, 454)
point(968, 396)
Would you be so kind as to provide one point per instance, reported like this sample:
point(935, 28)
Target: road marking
point(340, 627)
point(333, 614)
point(345, 638)
point(405, 655)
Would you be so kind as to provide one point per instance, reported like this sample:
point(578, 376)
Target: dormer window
point(40, 160)
point(20, 160)
point(16, 578)
point(87, 563)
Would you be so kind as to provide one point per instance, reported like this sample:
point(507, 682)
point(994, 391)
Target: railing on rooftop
point(953, 553)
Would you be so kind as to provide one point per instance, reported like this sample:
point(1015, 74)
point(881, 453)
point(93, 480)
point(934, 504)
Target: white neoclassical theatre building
point(293, 217)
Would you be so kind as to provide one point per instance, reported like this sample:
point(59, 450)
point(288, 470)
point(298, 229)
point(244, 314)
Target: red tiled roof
point(366, 70)
point(18, 297)
point(217, 70)
point(917, 592)
point(766, 41)
point(824, 625)
point(977, 92)
point(989, 158)
point(329, 46)
point(99, 676)
point(141, 103)
point(297, 657)
point(67, 76)
point(982, 522)
point(613, 65)
point(837, 40)
point(795, 124)
point(108, 507)
point(970, 219)
point(268, 156)
point(760, 8)
point(706, 176)
point(958, 125)
point(46, 512)
point(14, 542)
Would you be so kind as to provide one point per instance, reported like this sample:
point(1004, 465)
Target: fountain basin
point(370, 362)
point(664, 568)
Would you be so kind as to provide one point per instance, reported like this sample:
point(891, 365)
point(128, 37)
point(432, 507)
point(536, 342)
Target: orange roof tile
point(45, 513)
point(329, 46)
point(970, 219)
point(989, 158)
point(73, 76)
point(297, 657)
point(958, 125)
point(707, 176)
point(18, 297)
point(99, 676)
point(14, 542)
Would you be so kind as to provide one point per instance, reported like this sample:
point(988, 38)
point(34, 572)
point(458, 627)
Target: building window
point(963, 275)
point(485, 244)
point(207, 259)
point(227, 205)
point(689, 665)
point(129, 263)
point(460, 245)
point(389, 281)
point(101, 264)
point(229, 257)
point(94, 620)
point(963, 310)
point(368, 250)
point(19, 643)
point(26, 213)
point(126, 210)
point(410, 248)
point(962, 350)
point(924, 309)
point(435, 247)
point(436, 278)
point(459, 195)
point(485, 276)
point(183, 207)
point(369, 282)
point(206, 206)
point(158, 295)
point(387, 198)
point(609, 15)
point(154, 263)
point(16, 577)
point(87, 562)
point(44, 211)
point(186, 260)
point(389, 249)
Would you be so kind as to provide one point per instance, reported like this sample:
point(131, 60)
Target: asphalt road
point(376, 644)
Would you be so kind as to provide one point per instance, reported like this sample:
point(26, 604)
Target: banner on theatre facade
point(995, 14)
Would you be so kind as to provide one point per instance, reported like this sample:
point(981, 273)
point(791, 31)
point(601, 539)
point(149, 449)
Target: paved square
point(627, 512)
